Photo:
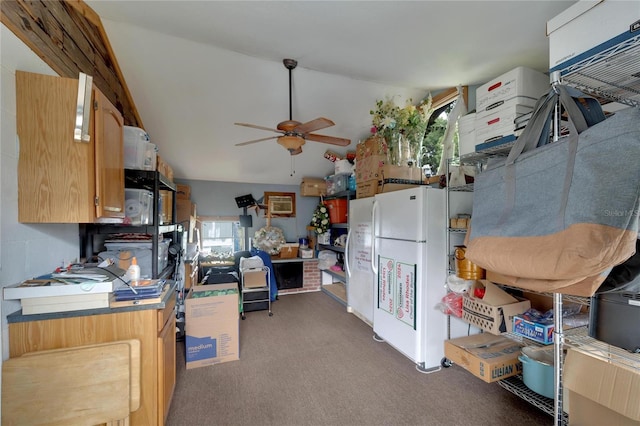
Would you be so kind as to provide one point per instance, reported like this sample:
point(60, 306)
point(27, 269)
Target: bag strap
point(537, 133)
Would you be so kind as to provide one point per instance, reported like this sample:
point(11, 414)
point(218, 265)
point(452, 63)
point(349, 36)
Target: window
point(221, 237)
point(441, 136)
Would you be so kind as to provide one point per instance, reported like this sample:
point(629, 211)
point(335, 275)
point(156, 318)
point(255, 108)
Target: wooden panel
point(167, 313)
point(134, 356)
point(78, 331)
point(109, 160)
point(56, 181)
point(69, 37)
point(166, 367)
point(85, 385)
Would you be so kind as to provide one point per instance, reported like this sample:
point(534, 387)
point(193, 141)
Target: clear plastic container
point(138, 206)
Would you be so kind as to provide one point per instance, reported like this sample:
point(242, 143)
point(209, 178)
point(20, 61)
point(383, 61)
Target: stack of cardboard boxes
point(373, 173)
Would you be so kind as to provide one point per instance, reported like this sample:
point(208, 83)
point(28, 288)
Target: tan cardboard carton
point(212, 325)
point(489, 357)
point(601, 392)
point(495, 311)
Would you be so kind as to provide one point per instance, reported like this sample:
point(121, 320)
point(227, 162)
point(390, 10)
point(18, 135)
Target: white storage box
point(122, 253)
point(140, 155)
point(135, 134)
point(590, 24)
point(500, 123)
point(138, 206)
point(520, 81)
point(467, 133)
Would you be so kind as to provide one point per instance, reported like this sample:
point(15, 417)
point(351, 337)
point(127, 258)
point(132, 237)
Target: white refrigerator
point(360, 276)
point(409, 260)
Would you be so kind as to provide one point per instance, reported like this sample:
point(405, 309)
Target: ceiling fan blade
point(327, 139)
point(313, 125)
point(256, 140)
point(253, 126)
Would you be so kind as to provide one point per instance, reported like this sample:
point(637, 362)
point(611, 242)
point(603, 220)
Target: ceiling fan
point(294, 133)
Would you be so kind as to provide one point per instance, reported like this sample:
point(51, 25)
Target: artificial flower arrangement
point(391, 121)
point(269, 239)
point(320, 219)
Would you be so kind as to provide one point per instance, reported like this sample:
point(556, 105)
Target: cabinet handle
point(112, 209)
point(81, 131)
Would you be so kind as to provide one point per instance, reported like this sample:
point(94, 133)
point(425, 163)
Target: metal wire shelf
point(613, 73)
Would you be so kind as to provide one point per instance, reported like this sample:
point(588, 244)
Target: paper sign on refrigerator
point(385, 285)
point(405, 289)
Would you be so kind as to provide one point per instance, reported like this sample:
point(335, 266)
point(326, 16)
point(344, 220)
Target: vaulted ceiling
point(193, 68)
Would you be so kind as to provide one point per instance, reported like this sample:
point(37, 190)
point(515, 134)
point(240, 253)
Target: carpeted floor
point(312, 363)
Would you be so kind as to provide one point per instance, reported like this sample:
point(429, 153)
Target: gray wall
point(218, 199)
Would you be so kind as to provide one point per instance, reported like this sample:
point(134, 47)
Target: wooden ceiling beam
point(69, 37)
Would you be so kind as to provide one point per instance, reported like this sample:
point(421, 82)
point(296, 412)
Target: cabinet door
point(166, 367)
point(109, 158)
point(56, 180)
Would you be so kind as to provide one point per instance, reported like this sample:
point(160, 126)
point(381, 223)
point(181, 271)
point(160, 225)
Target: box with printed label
point(520, 81)
point(488, 357)
point(499, 122)
point(212, 325)
point(576, 33)
point(537, 331)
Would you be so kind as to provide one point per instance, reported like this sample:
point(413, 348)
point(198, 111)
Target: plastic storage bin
point(122, 253)
point(337, 210)
point(337, 183)
point(138, 206)
point(139, 153)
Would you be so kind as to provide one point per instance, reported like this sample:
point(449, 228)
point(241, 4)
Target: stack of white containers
point(502, 100)
point(139, 154)
point(467, 133)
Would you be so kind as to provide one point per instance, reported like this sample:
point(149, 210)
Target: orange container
point(337, 210)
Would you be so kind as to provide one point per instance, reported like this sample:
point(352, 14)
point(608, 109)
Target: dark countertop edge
point(293, 259)
point(18, 317)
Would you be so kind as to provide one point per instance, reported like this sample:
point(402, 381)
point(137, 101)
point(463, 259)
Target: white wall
point(25, 250)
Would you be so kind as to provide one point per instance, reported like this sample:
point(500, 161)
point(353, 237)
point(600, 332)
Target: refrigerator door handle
point(346, 253)
point(374, 267)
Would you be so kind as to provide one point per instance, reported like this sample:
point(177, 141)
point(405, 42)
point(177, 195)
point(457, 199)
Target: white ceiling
point(196, 67)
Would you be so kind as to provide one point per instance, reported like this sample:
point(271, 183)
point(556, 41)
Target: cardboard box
point(373, 145)
point(601, 392)
point(313, 187)
point(542, 333)
point(369, 168)
point(488, 357)
point(212, 325)
point(254, 278)
point(183, 192)
point(588, 24)
point(414, 175)
point(368, 188)
point(495, 311)
point(185, 209)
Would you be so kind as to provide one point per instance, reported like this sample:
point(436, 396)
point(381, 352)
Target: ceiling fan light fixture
point(291, 143)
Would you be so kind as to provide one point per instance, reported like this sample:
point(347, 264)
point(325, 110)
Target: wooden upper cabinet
point(61, 180)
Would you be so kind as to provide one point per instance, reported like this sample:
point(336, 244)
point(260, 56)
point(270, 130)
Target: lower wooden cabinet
point(155, 328)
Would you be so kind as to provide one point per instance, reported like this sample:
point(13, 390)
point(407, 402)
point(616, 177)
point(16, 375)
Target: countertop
point(18, 317)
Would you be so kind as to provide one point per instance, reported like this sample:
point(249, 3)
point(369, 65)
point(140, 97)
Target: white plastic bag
point(326, 259)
